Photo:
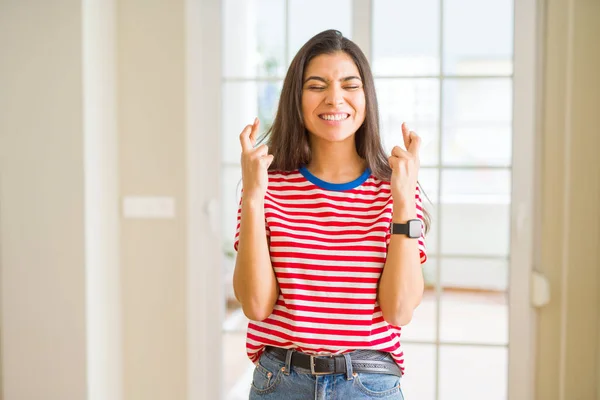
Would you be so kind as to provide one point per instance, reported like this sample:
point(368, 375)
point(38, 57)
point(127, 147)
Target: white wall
point(58, 201)
point(152, 162)
point(95, 106)
point(42, 201)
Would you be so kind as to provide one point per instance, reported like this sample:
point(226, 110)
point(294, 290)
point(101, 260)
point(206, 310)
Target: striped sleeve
point(236, 240)
point(420, 215)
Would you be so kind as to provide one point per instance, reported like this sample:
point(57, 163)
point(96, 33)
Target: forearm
point(401, 284)
point(254, 281)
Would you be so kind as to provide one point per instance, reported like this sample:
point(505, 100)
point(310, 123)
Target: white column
point(103, 300)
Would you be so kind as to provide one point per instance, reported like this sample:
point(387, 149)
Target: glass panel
point(428, 178)
point(475, 209)
point(474, 273)
point(416, 102)
point(431, 238)
point(420, 366)
point(309, 17)
point(477, 122)
point(422, 327)
point(472, 310)
point(398, 51)
point(253, 38)
point(478, 37)
point(473, 373)
point(242, 102)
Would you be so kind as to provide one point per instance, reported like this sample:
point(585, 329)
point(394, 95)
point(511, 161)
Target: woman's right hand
point(255, 164)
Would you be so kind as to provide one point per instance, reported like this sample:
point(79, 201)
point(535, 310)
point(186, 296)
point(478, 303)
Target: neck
point(335, 162)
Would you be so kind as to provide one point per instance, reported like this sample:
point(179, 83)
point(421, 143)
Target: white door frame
point(205, 306)
point(525, 193)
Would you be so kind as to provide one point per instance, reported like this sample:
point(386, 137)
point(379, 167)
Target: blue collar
point(335, 186)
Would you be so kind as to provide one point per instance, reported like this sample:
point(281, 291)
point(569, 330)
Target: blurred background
point(120, 180)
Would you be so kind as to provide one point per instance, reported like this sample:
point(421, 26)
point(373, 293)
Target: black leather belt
point(326, 365)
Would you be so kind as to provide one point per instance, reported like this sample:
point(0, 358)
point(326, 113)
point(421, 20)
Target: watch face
point(414, 228)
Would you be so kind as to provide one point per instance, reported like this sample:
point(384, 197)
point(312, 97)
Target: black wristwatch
point(412, 228)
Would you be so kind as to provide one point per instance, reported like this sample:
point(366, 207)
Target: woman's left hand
point(405, 169)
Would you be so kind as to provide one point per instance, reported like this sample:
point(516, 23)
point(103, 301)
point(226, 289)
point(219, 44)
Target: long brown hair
point(287, 138)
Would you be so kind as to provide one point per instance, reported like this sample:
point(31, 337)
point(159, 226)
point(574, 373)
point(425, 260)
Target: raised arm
point(401, 285)
point(254, 282)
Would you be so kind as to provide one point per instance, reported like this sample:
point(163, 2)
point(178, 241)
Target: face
point(333, 99)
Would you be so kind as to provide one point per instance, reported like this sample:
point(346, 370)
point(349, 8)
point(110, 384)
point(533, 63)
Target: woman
point(330, 235)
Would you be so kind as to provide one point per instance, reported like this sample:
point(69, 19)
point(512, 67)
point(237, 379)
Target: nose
point(334, 96)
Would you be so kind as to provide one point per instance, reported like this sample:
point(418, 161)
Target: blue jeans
point(274, 380)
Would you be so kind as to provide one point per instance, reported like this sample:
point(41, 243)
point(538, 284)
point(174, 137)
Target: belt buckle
point(312, 367)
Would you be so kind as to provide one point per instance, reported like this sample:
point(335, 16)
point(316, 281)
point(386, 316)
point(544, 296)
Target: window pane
point(475, 212)
point(416, 102)
point(472, 312)
point(420, 366)
point(475, 273)
point(428, 178)
point(406, 37)
point(468, 186)
point(242, 102)
point(253, 37)
point(478, 37)
point(473, 373)
point(477, 122)
point(309, 17)
point(431, 238)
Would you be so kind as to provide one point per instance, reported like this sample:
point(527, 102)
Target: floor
point(473, 362)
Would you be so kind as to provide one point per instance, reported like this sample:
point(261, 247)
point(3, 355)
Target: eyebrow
point(318, 78)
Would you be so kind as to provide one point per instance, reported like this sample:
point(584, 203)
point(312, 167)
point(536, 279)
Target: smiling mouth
point(334, 117)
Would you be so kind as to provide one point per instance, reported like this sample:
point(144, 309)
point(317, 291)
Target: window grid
point(439, 168)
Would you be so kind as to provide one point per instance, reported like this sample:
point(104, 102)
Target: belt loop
point(349, 372)
point(288, 361)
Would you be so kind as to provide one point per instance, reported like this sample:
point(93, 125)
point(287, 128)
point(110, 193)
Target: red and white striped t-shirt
point(328, 245)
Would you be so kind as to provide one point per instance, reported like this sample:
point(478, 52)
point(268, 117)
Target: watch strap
point(399, 229)
point(412, 228)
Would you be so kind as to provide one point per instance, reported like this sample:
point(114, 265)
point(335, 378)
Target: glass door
point(446, 67)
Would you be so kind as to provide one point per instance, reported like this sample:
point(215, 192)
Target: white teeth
point(335, 117)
